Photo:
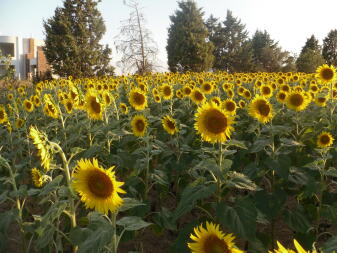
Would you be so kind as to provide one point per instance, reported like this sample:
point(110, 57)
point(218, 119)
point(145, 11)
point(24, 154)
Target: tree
point(72, 40)
point(289, 64)
point(309, 61)
point(7, 71)
point(215, 35)
point(188, 48)
point(268, 56)
point(310, 57)
point(138, 49)
point(330, 48)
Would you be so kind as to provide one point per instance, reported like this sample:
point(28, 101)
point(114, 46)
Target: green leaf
point(235, 143)
point(241, 181)
point(190, 195)
point(51, 186)
point(270, 204)
point(240, 219)
point(132, 223)
point(296, 221)
point(330, 246)
point(129, 203)
point(46, 237)
point(259, 145)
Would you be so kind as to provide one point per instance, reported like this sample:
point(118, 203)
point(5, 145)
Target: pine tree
point(310, 57)
point(187, 46)
point(215, 30)
point(268, 56)
point(72, 40)
point(330, 48)
point(235, 37)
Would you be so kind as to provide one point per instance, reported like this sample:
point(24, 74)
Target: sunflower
point(230, 93)
point(187, 90)
point(266, 91)
point(3, 115)
point(157, 99)
point(40, 141)
point(169, 124)
point(207, 88)
point(124, 108)
point(321, 101)
point(51, 110)
point(107, 98)
point(137, 99)
point(212, 123)
point(19, 123)
point(68, 104)
point(297, 101)
point(93, 106)
point(229, 106)
point(37, 178)
point(242, 104)
point(197, 96)
point(246, 94)
point(285, 87)
point(324, 140)
point(212, 240)
point(36, 101)
point(139, 125)
point(10, 96)
point(281, 96)
point(28, 105)
point(216, 100)
point(325, 73)
point(97, 187)
point(166, 91)
point(281, 249)
point(314, 88)
point(261, 109)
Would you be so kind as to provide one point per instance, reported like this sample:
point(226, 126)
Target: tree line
point(73, 46)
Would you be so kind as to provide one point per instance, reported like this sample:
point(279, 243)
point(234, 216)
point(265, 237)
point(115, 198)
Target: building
point(28, 58)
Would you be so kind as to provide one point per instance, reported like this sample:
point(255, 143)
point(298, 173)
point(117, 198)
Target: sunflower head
point(19, 123)
point(28, 105)
point(207, 87)
point(325, 73)
point(124, 108)
point(197, 96)
point(229, 106)
point(324, 140)
point(212, 240)
point(41, 143)
point(3, 115)
point(94, 106)
point(37, 178)
point(261, 109)
point(68, 105)
point(137, 99)
point(297, 100)
point(166, 91)
point(281, 97)
point(213, 123)
point(169, 124)
point(139, 125)
point(266, 91)
point(97, 187)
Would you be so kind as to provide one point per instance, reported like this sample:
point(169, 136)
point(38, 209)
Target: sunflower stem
point(114, 244)
point(220, 169)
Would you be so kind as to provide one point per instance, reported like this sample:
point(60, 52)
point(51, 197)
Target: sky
point(290, 22)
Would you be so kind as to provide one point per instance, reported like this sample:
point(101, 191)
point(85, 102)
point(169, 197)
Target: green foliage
point(232, 50)
point(72, 40)
point(187, 45)
point(268, 56)
point(310, 57)
point(9, 71)
point(330, 48)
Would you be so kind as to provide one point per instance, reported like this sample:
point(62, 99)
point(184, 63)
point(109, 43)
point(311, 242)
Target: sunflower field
point(168, 162)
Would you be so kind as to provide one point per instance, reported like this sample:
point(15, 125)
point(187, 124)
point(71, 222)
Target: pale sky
point(290, 22)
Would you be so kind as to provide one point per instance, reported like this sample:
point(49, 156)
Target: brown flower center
point(230, 106)
point(214, 244)
point(95, 106)
point(198, 96)
point(296, 100)
point(325, 139)
point(138, 98)
point(100, 184)
point(327, 74)
point(263, 108)
point(140, 125)
point(215, 121)
point(170, 124)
